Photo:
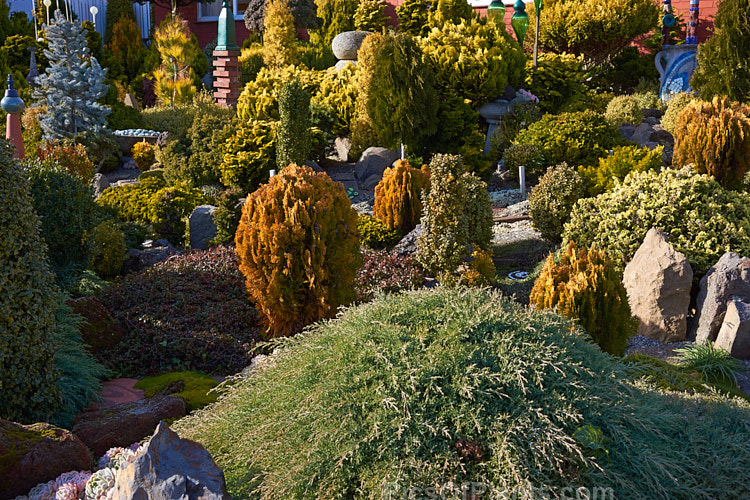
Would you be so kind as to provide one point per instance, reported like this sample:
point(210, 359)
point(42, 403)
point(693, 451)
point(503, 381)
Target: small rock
point(374, 161)
point(651, 120)
point(408, 244)
point(37, 453)
point(170, 467)
point(342, 146)
point(346, 45)
point(131, 101)
point(658, 282)
point(126, 423)
point(202, 226)
point(344, 63)
point(364, 208)
point(734, 335)
point(728, 278)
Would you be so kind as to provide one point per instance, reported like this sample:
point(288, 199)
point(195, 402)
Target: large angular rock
point(100, 183)
point(408, 244)
point(346, 45)
point(728, 278)
point(171, 468)
point(202, 226)
point(734, 335)
point(658, 282)
point(33, 454)
point(374, 161)
point(644, 133)
point(126, 423)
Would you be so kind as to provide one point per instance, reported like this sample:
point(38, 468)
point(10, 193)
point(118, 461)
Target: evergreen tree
point(336, 16)
point(724, 60)
point(402, 102)
point(179, 52)
point(117, 10)
point(279, 48)
point(27, 304)
point(293, 134)
point(303, 11)
point(71, 85)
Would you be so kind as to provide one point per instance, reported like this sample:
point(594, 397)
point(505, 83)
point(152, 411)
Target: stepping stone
point(117, 391)
point(342, 176)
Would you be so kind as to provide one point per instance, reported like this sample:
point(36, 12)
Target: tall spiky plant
point(175, 76)
point(71, 85)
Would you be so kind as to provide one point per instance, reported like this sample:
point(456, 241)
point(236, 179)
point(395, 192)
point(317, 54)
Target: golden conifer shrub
point(298, 248)
point(714, 137)
point(583, 284)
point(398, 195)
point(280, 35)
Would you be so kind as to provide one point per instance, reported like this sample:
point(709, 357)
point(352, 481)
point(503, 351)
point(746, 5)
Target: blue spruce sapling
point(71, 85)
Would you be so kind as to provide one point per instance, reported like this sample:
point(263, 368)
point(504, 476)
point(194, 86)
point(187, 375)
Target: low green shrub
point(227, 216)
point(376, 234)
point(520, 116)
point(191, 313)
point(414, 388)
point(194, 389)
point(702, 219)
point(124, 117)
point(553, 198)
point(649, 100)
point(624, 109)
point(575, 138)
point(131, 202)
point(557, 79)
point(174, 119)
point(68, 214)
point(614, 168)
point(318, 57)
point(144, 155)
point(251, 62)
point(249, 156)
point(529, 155)
point(169, 208)
point(109, 250)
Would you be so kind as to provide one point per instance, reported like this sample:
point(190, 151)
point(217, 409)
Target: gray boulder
point(346, 45)
point(153, 252)
point(408, 244)
point(344, 63)
point(374, 161)
point(100, 183)
point(171, 468)
point(734, 335)
point(728, 278)
point(658, 282)
point(202, 226)
point(644, 133)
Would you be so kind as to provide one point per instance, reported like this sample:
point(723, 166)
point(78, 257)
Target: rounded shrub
point(614, 168)
point(576, 138)
point(715, 138)
point(397, 395)
point(584, 285)
point(169, 208)
point(338, 91)
point(557, 80)
point(375, 234)
point(624, 109)
point(259, 99)
point(298, 249)
point(68, 213)
point(675, 105)
point(27, 304)
point(553, 198)
point(144, 155)
point(474, 60)
point(702, 219)
point(530, 156)
point(131, 202)
point(109, 250)
point(398, 202)
point(249, 156)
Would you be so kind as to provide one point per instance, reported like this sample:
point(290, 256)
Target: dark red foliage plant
point(190, 313)
point(387, 272)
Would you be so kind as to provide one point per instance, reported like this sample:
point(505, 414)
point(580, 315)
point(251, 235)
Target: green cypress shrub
point(117, 10)
point(293, 133)
point(27, 304)
point(401, 102)
point(724, 59)
point(412, 17)
point(552, 199)
point(337, 16)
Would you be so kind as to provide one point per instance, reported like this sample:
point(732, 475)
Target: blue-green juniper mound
point(449, 387)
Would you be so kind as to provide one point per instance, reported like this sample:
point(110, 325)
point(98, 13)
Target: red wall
point(206, 30)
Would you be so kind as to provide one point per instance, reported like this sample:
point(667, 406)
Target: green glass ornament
point(520, 21)
point(496, 11)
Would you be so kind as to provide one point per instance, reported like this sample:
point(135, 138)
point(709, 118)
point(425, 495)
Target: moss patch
point(195, 391)
point(16, 440)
